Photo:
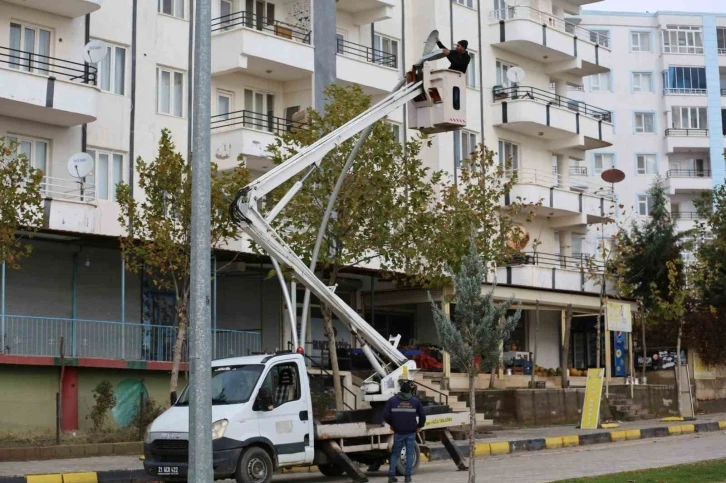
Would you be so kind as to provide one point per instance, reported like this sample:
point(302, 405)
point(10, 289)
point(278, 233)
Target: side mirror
point(264, 401)
point(173, 398)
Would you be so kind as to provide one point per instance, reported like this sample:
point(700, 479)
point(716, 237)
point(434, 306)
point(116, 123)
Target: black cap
point(463, 43)
point(405, 386)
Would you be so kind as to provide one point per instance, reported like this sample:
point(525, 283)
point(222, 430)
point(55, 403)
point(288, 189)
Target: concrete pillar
point(563, 169)
point(565, 243)
point(324, 40)
point(69, 416)
point(561, 88)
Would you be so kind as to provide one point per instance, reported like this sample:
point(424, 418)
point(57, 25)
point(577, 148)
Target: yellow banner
point(593, 394)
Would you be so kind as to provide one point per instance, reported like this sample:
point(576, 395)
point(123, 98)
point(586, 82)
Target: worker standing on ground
point(459, 58)
point(401, 414)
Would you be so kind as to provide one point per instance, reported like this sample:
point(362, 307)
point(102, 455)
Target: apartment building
point(270, 60)
point(666, 96)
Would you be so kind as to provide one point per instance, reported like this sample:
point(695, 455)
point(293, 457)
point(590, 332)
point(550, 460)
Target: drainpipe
point(74, 283)
point(123, 308)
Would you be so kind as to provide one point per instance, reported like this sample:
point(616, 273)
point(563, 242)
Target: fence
point(41, 336)
point(547, 97)
point(46, 65)
point(67, 189)
point(689, 173)
point(263, 24)
point(581, 261)
point(255, 120)
point(687, 215)
point(369, 54)
point(687, 132)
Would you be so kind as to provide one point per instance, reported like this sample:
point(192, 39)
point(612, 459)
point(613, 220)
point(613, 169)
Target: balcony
point(374, 70)
point(249, 134)
point(566, 202)
point(96, 339)
point(566, 123)
point(367, 11)
point(66, 8)
point(688, 181)
point(687, 220)
point(567, 50)
point(552, 272)
point(46, 89)
point(687, 140)
point(266, 48)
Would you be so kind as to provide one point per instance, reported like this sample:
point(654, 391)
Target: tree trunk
point(534, 352)
point(565, 353)
point(472, 425)
point(645, 351)
point(679, 383)
point(178, 346)
point(330, 333)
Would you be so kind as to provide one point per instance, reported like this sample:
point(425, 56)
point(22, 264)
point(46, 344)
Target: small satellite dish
point(80, 165)
point(430, 42)
point(516, 75)
point(94, 51)
point(612, 176)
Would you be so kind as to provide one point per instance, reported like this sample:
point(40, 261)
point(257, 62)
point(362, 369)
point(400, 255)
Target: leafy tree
point(105, 400)
point(21, 202)
point(480, 328)
point(159, 227)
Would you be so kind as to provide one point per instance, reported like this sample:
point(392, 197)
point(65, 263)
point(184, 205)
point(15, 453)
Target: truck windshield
point(230, 385)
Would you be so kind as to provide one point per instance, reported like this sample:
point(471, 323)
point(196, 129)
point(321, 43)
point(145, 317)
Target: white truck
point(262, 406)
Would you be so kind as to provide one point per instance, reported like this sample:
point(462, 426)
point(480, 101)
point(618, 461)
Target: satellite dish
point(516, 75)
point(612, 176)
point(80, 165)
point(94, 51)
point(430, 42)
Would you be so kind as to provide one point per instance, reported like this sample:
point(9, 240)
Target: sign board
point(593, 394)
point(618, 317)
point(619, 369)
point(701, 370)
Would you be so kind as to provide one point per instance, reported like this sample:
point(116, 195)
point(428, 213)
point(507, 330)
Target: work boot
point(392, 479)
point(408, 479)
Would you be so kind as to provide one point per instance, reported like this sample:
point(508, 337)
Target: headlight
point(147, 435)
point(218, 428)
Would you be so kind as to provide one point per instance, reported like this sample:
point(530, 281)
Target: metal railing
point(255, 120)
point(440, 394)
point(369, 54)
point(684, 91)
point(581, 261)
point(578, 171)
point(721, 51)
point(723, 92)
point(689, 173)
point(544, 18)
point(46, 65)
point(687, 132)
point(686, 215)
point(546, 97)
point(40, 336)
point(553, 180)
point(67, 189)
point(263, 24)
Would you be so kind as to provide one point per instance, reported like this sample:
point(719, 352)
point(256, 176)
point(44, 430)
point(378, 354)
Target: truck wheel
point(331, 470)
point(255, 466)
point(401, 466)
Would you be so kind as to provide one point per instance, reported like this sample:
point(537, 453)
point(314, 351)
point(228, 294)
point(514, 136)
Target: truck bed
point(361, 429)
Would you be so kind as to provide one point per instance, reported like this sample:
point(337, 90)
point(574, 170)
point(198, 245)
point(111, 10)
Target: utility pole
point(200, 333)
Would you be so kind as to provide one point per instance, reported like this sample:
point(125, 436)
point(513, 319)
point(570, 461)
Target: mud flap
point(337, 456)
point(453, 450)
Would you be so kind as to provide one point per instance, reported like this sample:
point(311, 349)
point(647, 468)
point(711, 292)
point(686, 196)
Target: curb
point(434, 454)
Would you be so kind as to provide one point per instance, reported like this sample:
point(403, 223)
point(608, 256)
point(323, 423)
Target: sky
point(716, 6)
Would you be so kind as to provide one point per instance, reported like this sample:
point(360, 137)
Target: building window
point(640, 42)
point(681, 39)
point(600, 82)
point(260, 110)
point(600, 37)
point(35, 151)
point(471, 71)
point(509, 155)
point(175, 8)
point(601, 162)
point(645, 205)
point(466, 3)
point(646, 164)
point(389, 47)
point(169, 92)
point(27, 41)
point(112, 71)
point(464, 145)
point(340, 41)
point(685, 80)
point(642, 82)
point(690, 118)
point(502, 69)
point(108, 172)
point(225, 104)
point(396, 129)
point(645, 122)
point(721, 40)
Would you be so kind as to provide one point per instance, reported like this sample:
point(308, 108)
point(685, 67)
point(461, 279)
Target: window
point(340, 40)
point(721, 40)
point(640, 42)
point(107, 173)
point(283, 384)
point(225, 104)
point(578, 243)
point(26, 42)
point(685, 80)
point(175, 8)
point(396, 129)
point(464, 145)
point(509, 155)
point(502, 69)
point(600, 82)
point(646, 164)
point(645, 122)
point(690, 118)
point(600, 37)
point(645, 205)
point(169, 92)
point(642, 82)
point(387, 51)
point(35, 151)
point(680, 39)
point(466, 3)
point(260, 110)
point(471, 71)
point(112, 71)
point(502, 11)
point(601, 162)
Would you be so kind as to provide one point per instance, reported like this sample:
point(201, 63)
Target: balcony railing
point(686, 215)
point(687, 132)
point(45, 65)
point(581, 261)
point(263, 24)
point(255, 120)
point(546, 97)
point(723, 92)
point(689, 173)
point(368, 54)
point(41, 336)
point(544, 18)
point(578, 171)
point(67, 189)
point(684, 91)
point(554, 180)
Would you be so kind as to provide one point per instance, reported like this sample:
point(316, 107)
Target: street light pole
point(200, 329)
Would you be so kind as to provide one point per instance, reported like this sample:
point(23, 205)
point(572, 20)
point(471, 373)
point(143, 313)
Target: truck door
point(287, 424)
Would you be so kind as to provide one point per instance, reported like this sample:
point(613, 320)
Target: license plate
point(167, 471)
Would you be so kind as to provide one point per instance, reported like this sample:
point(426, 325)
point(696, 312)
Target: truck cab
point(262, 420)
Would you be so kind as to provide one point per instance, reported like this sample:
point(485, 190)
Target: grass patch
point(22, 439)
point(706, 472)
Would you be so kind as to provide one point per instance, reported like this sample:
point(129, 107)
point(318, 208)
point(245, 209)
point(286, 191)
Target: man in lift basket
point(400, 413)
point(459, 58)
